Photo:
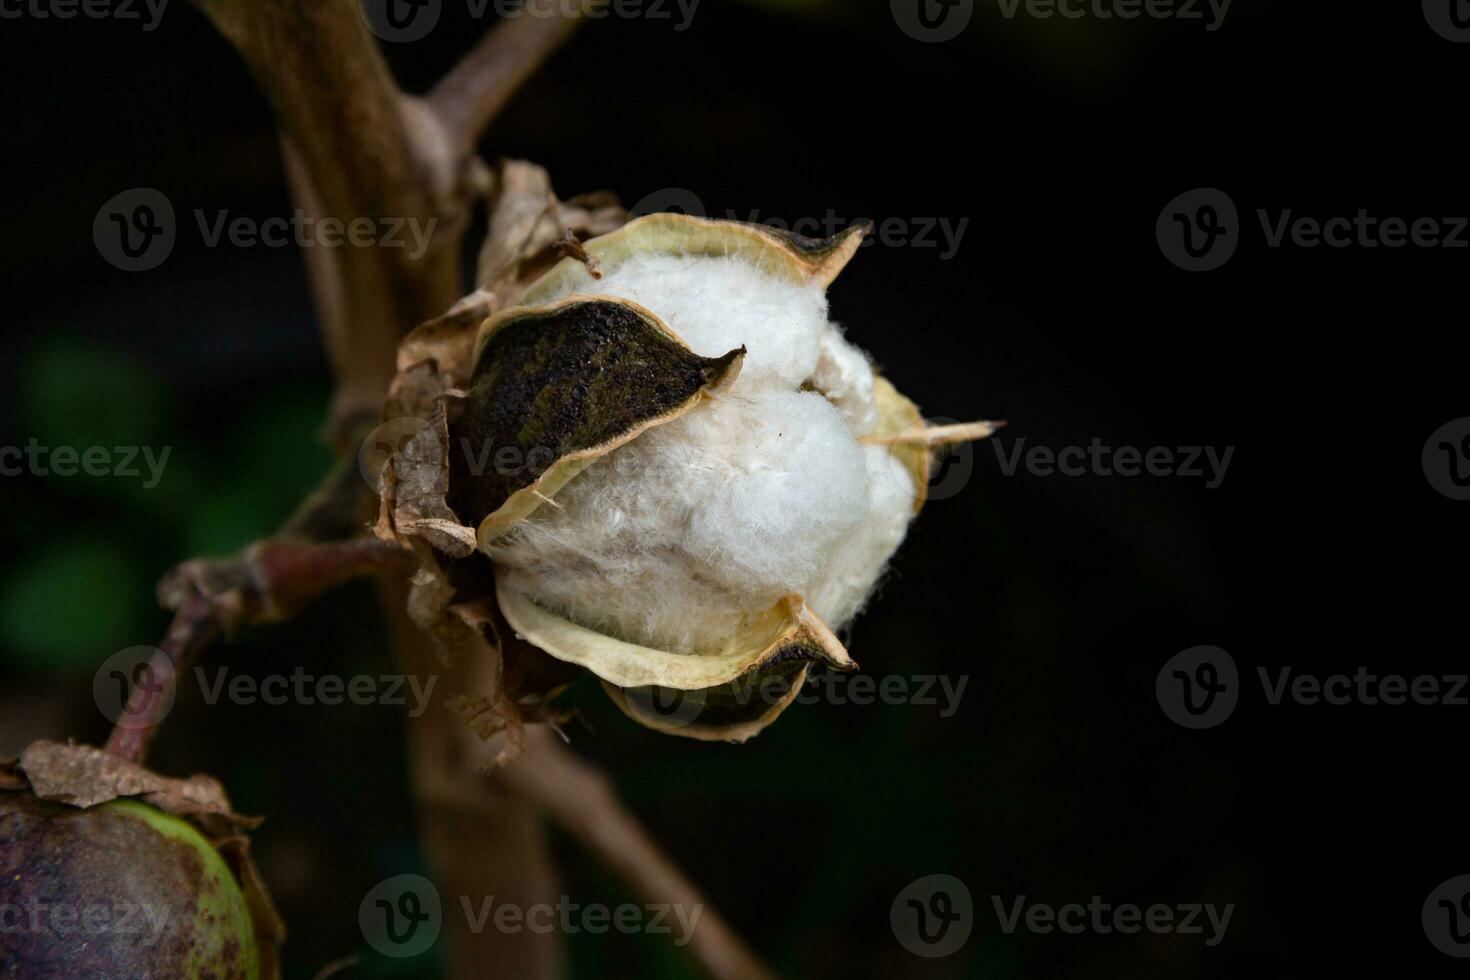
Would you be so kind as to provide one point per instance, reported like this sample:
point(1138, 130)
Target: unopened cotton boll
point(764, 491)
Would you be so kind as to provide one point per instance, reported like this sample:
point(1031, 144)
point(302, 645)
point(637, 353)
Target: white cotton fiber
point(784, 468)
point(839, 595)
point(843, 374)
point(762, 490)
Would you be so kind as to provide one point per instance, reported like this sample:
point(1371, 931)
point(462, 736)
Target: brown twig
point(336, 966)
point(582, 800)
point(478, 837)
point(361, 150)
point(320, 546)
point(195, 626)
point(472, 94)
point(355, 146)
point(268, 582)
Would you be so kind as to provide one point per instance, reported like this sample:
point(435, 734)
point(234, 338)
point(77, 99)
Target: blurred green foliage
point(85, 549)
point(77, 587)
point(48, 617)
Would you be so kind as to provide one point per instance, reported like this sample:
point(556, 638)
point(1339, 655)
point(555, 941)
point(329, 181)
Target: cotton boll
point(698, 526)
point(859, 559)
point(718, 304)
point(682, 537)
point(845, 376)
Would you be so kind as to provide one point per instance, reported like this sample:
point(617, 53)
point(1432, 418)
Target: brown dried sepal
point(732, 712)
point(557, 387)
point(786, 256)
point(787, 632)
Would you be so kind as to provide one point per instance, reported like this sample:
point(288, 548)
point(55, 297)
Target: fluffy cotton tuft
point(694, 528)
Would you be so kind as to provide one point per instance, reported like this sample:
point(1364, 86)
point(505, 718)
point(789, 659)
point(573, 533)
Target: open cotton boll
point(717, 304)
point(678, 537)
point(680, 474)
point(687, 534)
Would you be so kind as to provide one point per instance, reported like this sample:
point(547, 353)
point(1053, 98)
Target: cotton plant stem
point(354, 145)
point(462, 794)
point(478, 838)
point(358, 148)
point(322, 545)
point(581, 799)
point(472, 94)
point(268, 582)
point(195, 626)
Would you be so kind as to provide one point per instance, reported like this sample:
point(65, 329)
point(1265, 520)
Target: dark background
point(1059, 598)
